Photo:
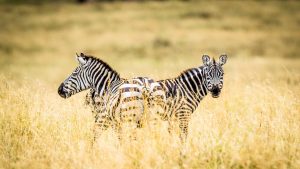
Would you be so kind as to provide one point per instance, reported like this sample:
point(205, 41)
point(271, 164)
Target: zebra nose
point(61, 91)
point(216, 89)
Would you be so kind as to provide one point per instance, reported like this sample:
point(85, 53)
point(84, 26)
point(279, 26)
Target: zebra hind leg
point(118, 130)
point(102, 123)
point(170, 127)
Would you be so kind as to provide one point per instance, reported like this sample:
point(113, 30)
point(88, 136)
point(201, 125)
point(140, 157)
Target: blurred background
point(39, 38)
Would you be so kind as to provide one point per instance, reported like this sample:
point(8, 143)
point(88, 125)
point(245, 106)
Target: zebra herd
point(117, 102)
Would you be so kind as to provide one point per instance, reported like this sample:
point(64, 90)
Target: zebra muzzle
point(215, 92)
point(61, 91)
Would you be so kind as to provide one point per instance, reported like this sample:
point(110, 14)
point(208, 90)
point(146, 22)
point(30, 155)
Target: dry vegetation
point(254, 124)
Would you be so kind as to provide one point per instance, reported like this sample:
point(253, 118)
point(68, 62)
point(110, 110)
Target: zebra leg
point(170, 126)
point(152, 117)
point(156, 110)
point(102, 123)
point(130, 123)
point(184, 119)
point(130, 130)
point(118, 130)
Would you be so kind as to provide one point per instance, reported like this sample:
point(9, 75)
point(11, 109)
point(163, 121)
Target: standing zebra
point(184, 93)
point(93, 74)
point(116, 101)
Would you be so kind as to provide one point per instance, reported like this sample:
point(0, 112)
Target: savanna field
point(255, 123)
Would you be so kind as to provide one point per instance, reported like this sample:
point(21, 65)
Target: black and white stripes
point(184, 93)
point(115, 101)
point(119, 102)
point(91, 73)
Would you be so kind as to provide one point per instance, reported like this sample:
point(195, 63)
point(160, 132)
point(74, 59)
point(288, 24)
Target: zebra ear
point(223, 59)
point(206, 60)
point(81, 58)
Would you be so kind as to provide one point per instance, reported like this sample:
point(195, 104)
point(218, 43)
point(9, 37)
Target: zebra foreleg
point(184, 119)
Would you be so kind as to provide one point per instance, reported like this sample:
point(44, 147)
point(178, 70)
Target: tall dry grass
point(254, 124)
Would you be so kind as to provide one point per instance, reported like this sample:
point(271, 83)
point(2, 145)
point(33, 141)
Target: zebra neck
point(102, 81)
point(192, 82)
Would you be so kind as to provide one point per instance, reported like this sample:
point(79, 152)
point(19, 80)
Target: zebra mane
point(213, 62)
point(180, 75)
point(107, 66)
point(185, 72)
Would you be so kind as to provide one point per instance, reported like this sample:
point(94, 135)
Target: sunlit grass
point(254, 124)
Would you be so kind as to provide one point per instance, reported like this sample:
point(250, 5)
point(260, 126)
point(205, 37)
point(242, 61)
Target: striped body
point(184, 93)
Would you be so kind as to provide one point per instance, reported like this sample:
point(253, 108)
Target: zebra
point(184, 93)
point(115, 101)
point(93, 74)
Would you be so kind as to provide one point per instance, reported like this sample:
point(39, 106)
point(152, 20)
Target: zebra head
point(78, 80)
point(214, 74)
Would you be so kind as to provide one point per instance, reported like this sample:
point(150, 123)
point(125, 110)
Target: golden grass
point(254, 124)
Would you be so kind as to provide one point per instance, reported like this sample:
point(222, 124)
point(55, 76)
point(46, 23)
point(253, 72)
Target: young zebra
point(115, 101)
point(184, 93)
